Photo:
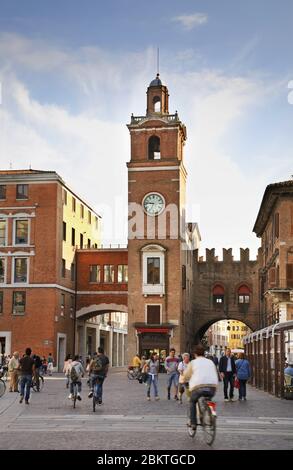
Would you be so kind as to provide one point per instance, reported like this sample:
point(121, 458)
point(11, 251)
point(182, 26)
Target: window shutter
point(289, 276)
point(153, 314)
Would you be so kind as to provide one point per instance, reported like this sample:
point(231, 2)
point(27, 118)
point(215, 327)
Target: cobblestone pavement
point(127, 420)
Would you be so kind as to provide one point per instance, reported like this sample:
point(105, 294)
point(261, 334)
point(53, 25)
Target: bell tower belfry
point(156, 232)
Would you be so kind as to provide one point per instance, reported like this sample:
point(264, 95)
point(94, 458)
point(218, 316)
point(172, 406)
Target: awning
point(152, 330)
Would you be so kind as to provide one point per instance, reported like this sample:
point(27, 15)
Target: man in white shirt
point(202, 376)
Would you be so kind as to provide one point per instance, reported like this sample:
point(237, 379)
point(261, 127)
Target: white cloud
point(191, 21)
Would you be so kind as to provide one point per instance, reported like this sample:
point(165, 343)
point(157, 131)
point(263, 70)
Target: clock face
point(153, 204)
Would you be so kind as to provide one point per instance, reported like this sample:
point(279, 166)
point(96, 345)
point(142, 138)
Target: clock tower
point(156, 232)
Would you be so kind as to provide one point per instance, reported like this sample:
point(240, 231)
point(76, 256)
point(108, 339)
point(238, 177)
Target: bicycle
point(38, 386)
point(74, 394)
point(2, 387)
point(133, 373)
point(206, 417)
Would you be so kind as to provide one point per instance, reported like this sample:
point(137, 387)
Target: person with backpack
point(76, 372)
point(98, 370)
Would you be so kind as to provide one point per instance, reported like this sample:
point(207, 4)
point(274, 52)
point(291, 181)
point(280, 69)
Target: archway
point(102, 325)
point(220, 333)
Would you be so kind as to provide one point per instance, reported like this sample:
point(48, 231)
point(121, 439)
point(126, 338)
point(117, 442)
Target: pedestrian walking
point(243, 373)
point(27, 369)
point(152, 367)
point(13, 369)
point(50, 363)
point(227, 369)
point(171, 366)
point(182, 381)
point(67, 368)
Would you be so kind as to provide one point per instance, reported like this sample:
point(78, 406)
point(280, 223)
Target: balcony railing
point(166, 117)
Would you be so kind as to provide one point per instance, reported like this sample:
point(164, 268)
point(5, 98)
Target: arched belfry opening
point(157, 104)
point(154, 148)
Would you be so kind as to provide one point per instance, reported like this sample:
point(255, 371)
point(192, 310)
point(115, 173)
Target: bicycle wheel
point(208, 425)
point(94, 403)
point(190, 431)
point(74, 395)
point(2, 387)
point(130, 375)
point(37, 388)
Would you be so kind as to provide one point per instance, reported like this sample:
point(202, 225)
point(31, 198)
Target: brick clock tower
point(157, 230)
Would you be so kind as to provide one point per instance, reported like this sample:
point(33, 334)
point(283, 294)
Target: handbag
point(236, 382)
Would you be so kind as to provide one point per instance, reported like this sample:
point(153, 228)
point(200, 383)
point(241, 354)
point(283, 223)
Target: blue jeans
point(97, 385)
point(152, 380)
point(78, 383)
point(207, 392)
point(25, 383)
point(242, 388)
point(172, 378)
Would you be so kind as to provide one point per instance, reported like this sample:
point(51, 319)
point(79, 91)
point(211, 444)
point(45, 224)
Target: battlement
point(227, 256)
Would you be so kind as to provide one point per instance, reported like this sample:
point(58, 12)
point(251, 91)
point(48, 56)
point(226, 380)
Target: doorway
point(61, 351)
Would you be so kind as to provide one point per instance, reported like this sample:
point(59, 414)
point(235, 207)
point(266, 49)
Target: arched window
point(289, 267)
point(154, 148)
point(157, 104)
point(218, 295)
point(243, 294)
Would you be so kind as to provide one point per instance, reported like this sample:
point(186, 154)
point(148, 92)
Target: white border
point(4, 219)
point(5, 271)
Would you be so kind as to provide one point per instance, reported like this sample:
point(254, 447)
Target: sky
point(72, 73)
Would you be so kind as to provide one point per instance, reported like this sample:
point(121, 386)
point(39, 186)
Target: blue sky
point(72, 72)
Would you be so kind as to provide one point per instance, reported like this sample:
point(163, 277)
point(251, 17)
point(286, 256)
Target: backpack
point(98, 365)
point(73, 374)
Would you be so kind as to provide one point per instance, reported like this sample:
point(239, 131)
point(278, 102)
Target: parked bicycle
point(4, 373)
point(206, 417)
point(133, 373)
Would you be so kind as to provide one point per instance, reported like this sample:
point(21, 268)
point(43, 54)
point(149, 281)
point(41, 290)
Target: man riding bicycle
point(202, 376)
point(76, 373)
point(98, 369)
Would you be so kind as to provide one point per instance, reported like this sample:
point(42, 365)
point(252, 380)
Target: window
point(22, 191)
point(2, 270)
point(277, 224)
point(88, 243)
point(63, 268)
point(20, 270)
point(73, 236)
point(122, 273)
point(109, 272)
point(218, 295)
point(18, 307)
point(2, 191)
point(62, 300)
point(81, 211)
point(64, 195)
point(154, 148)
point(72, 303)
point(97, 223)
point(21, 232)
point(89, 217)
point(243, 295)
point(64, 231)
point(73, 204)
point(72, 272)
point(153, 270)
point(1, 302)
point(2, 232)
point(154, 314)
point(95, 273)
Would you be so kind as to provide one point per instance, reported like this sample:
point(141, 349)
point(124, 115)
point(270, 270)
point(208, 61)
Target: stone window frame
point(153, 251)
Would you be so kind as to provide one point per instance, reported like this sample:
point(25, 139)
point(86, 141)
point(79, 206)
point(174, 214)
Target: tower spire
point(158, 61)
